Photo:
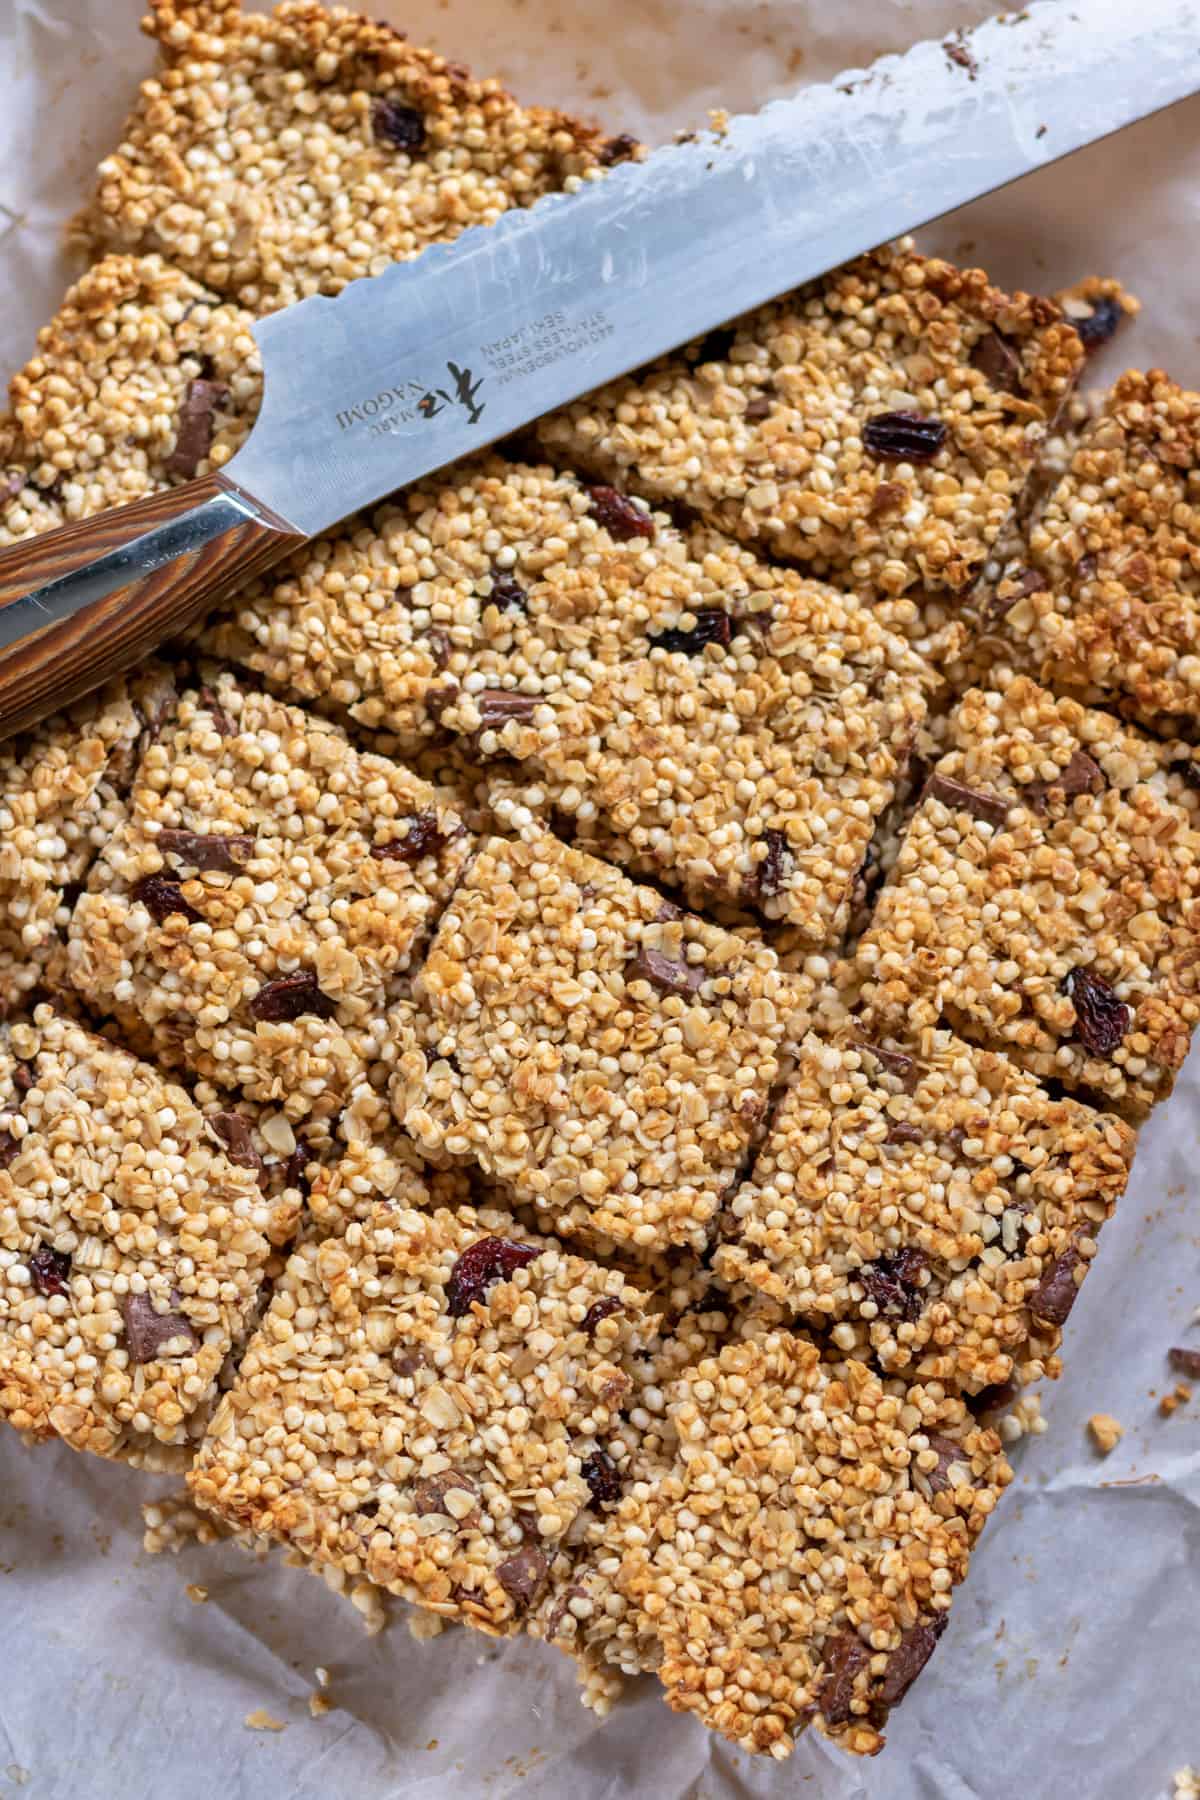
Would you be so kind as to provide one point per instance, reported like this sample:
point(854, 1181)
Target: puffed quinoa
point(274, 156)
point(62, 796)
point(257, 912)
point(1046, 901)
point(766, 427)
point(430, 1402)
point(737, 729)
point(925, 1207)
point(605, 1056)
point(133, 1249)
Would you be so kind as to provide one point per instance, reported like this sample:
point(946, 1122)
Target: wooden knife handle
point(85, 602)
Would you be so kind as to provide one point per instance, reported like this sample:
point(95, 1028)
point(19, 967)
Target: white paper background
point(1070, 1666)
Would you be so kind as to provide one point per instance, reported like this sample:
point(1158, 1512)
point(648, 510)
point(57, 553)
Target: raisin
point(995, 358)
point(713, 626)
point(717, 345)
point(1101, 1020)
point(498, 705)
point(193, 440)
point(161, 897)
point(222, 850)
point(50, 1270)
point(914, 1650)
point(507, 592)
point(296, 1165)
point(619, 515)
point(1055, 1294)
point(289, 997)
point(1101, 323)
point(992, 809)
point(599, 1309)
point(429, 1496)
point(522, 1575)
point(1081, 776)
point(666, 974)
point(403, 127)
point(618, 149)
point(147, 1331)
point(1185, 1362)
point(910, 437)
point(234, 1132)
point(488, 1259)
point(844, 1657)
point(768, 876)
point(424, 837)
point(892, 1283)
point(600, 1472)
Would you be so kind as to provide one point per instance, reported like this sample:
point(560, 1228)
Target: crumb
point(322, 1676)
point(319, 1705)
point(432, 1744)
point(261, 1720)
point(195, 1592)
point(1171, 1402)
point(1106, 1431)
point(1187, 1783)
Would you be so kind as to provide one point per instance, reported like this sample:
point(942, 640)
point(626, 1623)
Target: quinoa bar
point(1045, 900)
point(274, 156)
point(258, 910)
point(939, 1213)
point(62, 789)
point(737, 728)
point(141, 379)
point(605, 1056)
point(1105, 600)
point(430, 1402)
point(798, 1562)
point(133, 1244)
point(876, 426)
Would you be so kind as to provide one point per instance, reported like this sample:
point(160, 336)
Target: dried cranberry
point(914, 1650)
point(619, 515)
point(223, 850)
point(193, 440)
point(403, 127)
point(162, 897)
point(489, 1259)
point(713, 626)
point(1101, 323)
point(289, 997)
point(1185, 1362)
point(423, 838)
point(600, 1472)
point(50, 1269)
point(892, 1283)
point(910, 437)
point(507, 592)
point(599, 1309)
point(1101, 1020)
point(844, 1656)
point(666, 974)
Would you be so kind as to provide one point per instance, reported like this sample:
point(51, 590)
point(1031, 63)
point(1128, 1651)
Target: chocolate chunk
point(297, 1163)
point(995, 357)
point(665, 973)
point(896, 1062)
point(758, 407)
point(901, 1133)
point(162, 897)
point(910, 437)
point(914, 1650)
point(488, 1259)
point(1189, 772)
point(498, 705)
point(523, 1574)
point(603, 1479)
point(148, 1331)
point(667, 911)
point(422, 838)
point(992, 809)
point(24, 1077)
point(9, 1149)
point(222, 850)
point(717, 345)
point(507, 592)
point(50, 1269)
point(599, 1309)
point(193, 440)
point(1101, 1020)
point(1101, 323)
point(429, 1496)
point(619, 515)
point(403, 127)
point(892, 1283)
point(1081, 776)
point(768, 876)
point(618, 149)
point(995, 1398)
point(291, 996)
point(948, 1451)
point(438, 640)
point(222, 723)
point(713, 626)
point(1054, 1296)
point(1185, 1362)
point(844, 1656)
point(235, 1133)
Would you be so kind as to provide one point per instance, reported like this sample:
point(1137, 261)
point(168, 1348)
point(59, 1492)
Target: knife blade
point(407, 371)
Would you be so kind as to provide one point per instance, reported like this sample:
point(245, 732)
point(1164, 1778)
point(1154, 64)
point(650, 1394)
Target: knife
point(409, 370)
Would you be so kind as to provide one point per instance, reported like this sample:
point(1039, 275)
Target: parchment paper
point(1070, 1664)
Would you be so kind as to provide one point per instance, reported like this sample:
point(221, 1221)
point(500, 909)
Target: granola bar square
point(133, 1245)
point(262, 904)
point(938, 1212)
point(431, 1401)
point(1045, 900)
point(604, 1056)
